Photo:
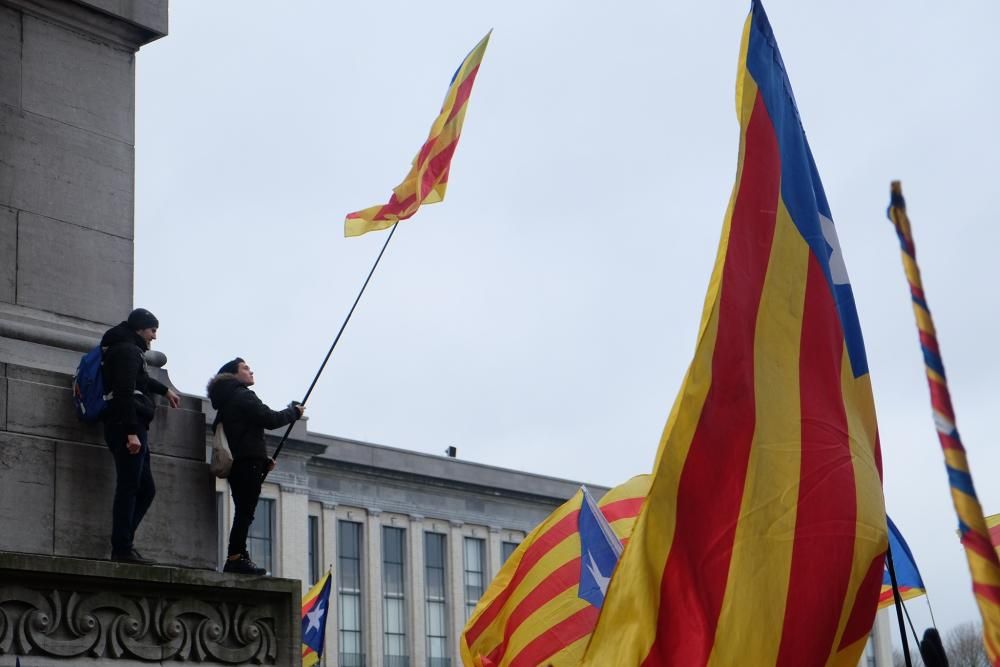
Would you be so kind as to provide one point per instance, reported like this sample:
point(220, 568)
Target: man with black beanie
point(244, 417)
point(126, 426)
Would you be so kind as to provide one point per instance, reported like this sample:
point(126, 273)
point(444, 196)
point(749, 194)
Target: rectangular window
point(260, 540)
point(436, 602)
point(352, 651)
point(475, 551)
point(506, 549)
point(394, 596)
point(313, 549)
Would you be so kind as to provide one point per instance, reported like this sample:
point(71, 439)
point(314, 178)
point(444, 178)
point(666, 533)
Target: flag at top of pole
point(428, 178)
point(762, 538)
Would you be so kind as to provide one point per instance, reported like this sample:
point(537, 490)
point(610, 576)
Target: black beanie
point(232, 366)
point(140, 318)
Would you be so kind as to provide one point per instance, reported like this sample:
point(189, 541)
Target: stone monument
point(67, 91)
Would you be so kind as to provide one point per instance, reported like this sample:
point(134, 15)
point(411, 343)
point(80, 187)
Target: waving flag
point(907, 575)
point(428, 178)
point(984, 565)
point(315, 606)
point(600, 550)
point(762, 539)
point(531, 614)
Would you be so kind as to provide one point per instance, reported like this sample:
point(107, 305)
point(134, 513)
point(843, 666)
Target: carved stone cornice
point(68, 624)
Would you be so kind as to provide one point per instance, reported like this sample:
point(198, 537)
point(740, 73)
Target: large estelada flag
point(532, 613)
point(762, 539)
point(908, 578)
point(428, 178)
point(315, 610)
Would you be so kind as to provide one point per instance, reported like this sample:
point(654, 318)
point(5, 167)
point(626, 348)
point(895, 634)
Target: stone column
point(293, 544)
point(493, 554)
point(415, 593)
point(373, 530)
point(456, 577)
point(330, 558)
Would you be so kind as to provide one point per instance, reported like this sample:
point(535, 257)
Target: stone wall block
point(10, 57)
point(3, 397)
point(78, 81)
point(61, 172)
point(41, 403)
point(26, 489)
point(180, 527)
point(8, 253)
point(178, 432)
point(71, 270)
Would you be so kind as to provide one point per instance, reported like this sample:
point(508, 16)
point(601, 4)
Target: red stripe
point(979, 544)
point(463, 92)
point(941, 400)
point(826, 515)
point(714, 474)
point(991, 593)
point(542, 544)
point(859, 623)
point(930, 342)
point(565, 576)
point(949, 442)
point(436, 167)
point(556, 638)
point(994, 534)
point(919, 293)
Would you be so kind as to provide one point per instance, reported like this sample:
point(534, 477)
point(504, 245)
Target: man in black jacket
point(126, 425)
point(245, 418)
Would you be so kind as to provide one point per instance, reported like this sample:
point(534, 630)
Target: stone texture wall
point(67, 105)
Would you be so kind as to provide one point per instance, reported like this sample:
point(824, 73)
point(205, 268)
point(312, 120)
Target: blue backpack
point(88, 387)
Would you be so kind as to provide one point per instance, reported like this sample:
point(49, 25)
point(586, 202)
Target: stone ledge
point(74, 608)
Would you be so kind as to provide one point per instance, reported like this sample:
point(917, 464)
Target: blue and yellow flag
point(315, 606)
point(761, 541)
point(907, 575)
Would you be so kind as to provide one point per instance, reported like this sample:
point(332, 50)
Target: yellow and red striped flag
point(531, 614)
point(761, 541)
point(428, 178)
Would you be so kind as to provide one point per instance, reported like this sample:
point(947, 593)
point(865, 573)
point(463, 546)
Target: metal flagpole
point(899, 607)
point(329, 352)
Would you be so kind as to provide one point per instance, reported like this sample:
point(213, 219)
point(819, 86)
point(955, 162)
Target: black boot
point(243, 565)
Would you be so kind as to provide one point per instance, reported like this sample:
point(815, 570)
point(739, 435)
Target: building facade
point(413, 541)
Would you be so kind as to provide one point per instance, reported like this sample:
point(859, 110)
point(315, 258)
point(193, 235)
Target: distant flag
point(428, 178)
point(532, 613)
point(600, 550)
point(993, 525)
point(762, 539)
point(907, 575)
point(315, 608)
point(972, 526)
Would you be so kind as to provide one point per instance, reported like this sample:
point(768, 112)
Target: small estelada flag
point(315, 606)
point(428, 178)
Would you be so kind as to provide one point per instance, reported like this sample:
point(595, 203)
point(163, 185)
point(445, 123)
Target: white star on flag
point(315, 618)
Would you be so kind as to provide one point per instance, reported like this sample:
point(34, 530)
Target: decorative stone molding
point(69, 624)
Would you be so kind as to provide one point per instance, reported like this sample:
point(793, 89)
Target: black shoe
point(131, 556)
point(243, 565)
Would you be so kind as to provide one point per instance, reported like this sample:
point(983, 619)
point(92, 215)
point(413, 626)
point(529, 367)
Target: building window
point(260, 541)
point(352, 652)
point(474, 579)
point(394, 596)
point(437, 604)
point(506, 549)
point(313, 549)
point(220, 513)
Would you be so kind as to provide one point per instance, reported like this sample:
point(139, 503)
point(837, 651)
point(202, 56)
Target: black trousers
point(245, 480)
point(134, 486)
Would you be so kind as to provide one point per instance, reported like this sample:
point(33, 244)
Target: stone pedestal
point(67, 108)
point(70, 611)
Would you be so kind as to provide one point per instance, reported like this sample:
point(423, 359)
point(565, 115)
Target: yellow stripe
point(570, 655)
point(762, 548)
point(934, 377)
point(626, 627)
point(870, 536)
point(554, 611)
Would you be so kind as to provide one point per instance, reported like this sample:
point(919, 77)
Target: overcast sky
point(542, 317)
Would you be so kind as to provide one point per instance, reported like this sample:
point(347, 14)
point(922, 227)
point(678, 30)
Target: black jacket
point(244, 416)
point(125, 376)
